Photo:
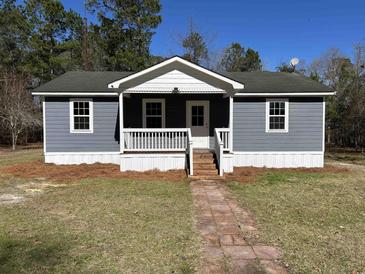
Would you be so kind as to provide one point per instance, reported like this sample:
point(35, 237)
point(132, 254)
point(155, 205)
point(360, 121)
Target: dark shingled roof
point(255, 82)
point(269, 82)
point(82, 81)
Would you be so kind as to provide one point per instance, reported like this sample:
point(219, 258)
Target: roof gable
point(177, 63)
point(174, 81)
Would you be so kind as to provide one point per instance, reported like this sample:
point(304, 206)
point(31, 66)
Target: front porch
point(162, 131)
point(170, 109)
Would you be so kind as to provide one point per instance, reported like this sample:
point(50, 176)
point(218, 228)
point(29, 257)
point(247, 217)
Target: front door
point(197, 119)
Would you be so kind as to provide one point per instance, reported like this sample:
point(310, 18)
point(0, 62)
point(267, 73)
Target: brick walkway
point(230, 242)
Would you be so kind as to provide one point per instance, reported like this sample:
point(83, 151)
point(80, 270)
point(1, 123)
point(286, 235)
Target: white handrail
point(190, 152)
point(219, 150)
point(224, 134)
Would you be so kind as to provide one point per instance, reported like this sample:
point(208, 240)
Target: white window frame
point(144, 114)
point(286, 122)
point(91, 115)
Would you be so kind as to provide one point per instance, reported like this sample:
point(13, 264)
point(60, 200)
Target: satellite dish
point(294, 61)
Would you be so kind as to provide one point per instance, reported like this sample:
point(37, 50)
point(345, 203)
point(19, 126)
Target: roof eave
point(283, 94)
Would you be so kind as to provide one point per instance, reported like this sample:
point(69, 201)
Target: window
point(153, 113)
point(277, 111)
point(197, 116)
point(81, 116)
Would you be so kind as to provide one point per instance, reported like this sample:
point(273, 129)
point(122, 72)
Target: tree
point(284, 67)
point(55, 39)
point(86, 52)
point(236, 58)
point(195, 46)
point(252, 61)
point(14, 31)
point(345, 113)
point(17, 111)
point(233, 58)
point(125, 31)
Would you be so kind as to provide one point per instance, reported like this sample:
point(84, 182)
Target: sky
point(278, 29)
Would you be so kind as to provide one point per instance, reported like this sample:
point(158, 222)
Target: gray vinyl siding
point(175, 110)
point(305, 126)
point(105, 137)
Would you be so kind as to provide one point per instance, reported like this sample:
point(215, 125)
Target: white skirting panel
point(279, 159)
point(160, 161)
point(78, 158)
point(228, 162)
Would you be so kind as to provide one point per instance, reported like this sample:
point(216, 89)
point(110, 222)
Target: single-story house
point(179, 115)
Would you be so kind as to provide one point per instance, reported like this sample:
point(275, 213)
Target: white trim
point(44, 126)
point(82, 153)
point(77, 158)
point(227, 162)
point(151, 155)
point(153, 100)
point(121, 124)
point(91, 115)
point(285, 94)
point(160, 161)
point(231, 124)
point(130, 91)
point(76, 93)
point(276, 152)
point(324, 126)
point(267, 116)
point(235, 84)
point(278, 159)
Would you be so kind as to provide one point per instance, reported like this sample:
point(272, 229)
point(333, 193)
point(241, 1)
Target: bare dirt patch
point(37, 169)
point(249, 174)
point(10, 199)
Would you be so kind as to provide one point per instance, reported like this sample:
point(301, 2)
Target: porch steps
point(205, 165)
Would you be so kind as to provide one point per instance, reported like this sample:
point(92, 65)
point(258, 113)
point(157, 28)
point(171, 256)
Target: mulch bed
point(37, 169)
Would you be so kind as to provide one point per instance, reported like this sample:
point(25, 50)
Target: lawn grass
point(350, 157)
point(318, 219)
point(20, 156)
point(98, 226)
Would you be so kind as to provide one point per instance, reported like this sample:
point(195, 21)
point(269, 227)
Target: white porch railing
point(159, 140)
point(224, 137)
point(218, 147)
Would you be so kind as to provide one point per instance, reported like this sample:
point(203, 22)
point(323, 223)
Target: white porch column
point(121, 123)
point(231, 124)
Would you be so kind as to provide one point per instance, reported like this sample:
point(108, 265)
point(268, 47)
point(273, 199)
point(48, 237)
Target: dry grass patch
point(93, 219)
point(250, 174)
point(8, 157)
point(101, 225)
point(317, 218)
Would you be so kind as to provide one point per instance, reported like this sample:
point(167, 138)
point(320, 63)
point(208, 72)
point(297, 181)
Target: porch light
point(176, 90)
